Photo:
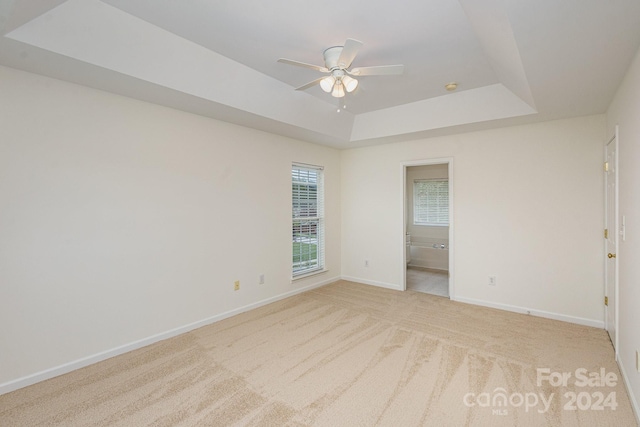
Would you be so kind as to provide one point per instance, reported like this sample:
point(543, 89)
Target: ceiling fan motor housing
point(331, 56)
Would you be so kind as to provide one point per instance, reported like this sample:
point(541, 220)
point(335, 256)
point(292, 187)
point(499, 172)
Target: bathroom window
point(308, 219)
point(431, 202)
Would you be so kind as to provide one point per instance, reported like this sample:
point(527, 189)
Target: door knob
point(610, 255)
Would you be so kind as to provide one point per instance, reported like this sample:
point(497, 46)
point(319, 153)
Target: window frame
point(307, 219)
point(441, 211)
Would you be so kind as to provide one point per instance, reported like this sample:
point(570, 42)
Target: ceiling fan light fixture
point(350, 84)
point(327, 83)
point(342, 79)
point(338, 90)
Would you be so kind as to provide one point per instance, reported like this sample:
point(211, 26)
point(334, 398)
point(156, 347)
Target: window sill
point(304, 276)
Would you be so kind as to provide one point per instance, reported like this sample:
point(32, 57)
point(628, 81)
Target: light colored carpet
point(342, 355)
point(434, 282)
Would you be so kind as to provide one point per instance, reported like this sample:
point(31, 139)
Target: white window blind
point(308, 219)
point(431, 202)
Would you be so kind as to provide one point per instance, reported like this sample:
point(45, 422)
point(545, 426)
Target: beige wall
point(528, 209)
point(121, 220)
point(625, 112)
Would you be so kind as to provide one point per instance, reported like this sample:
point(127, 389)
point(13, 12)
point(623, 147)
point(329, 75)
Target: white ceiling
point(515, 61)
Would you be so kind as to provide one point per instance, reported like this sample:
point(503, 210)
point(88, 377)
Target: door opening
point(611, 240)
point(428, 226)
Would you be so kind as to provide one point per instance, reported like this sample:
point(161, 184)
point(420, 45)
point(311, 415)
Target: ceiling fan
point(337, 63)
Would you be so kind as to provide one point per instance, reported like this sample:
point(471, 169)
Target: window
point(431, 202)
point(308, 221)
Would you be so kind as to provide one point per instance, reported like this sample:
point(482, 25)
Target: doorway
point(611, 240)
point(428, 226)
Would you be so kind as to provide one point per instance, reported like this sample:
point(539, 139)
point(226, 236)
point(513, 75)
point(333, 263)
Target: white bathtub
point(422, 255)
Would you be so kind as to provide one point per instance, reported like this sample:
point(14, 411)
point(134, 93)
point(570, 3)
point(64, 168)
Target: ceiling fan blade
point(380, 70)
point(303, 64)
point(349, 52)
point(308, 85)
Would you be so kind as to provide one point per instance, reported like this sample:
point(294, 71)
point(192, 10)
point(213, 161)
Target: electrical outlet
point(366, 263)
point(261, 279)
point(492, 280)
point(236, 285)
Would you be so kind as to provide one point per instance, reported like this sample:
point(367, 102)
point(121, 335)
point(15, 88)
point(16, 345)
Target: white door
point(611, 239)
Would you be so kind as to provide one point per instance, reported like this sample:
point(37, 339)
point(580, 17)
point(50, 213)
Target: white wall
point(528, 209)
point(625, 112)
point(121, 220)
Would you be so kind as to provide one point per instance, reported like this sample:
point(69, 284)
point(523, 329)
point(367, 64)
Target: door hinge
point(606, 301)
point(606, 166)
point(606, 233)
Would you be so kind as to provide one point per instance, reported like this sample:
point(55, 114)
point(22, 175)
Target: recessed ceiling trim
point(491, 24)
point(217, 59)
point(102, 35)
point(471, 106)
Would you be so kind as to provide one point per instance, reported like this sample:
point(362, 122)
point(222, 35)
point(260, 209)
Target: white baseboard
point(46, 374)
point(533, 312)
point(523, 310)
point(632, 398)
point(89, 360)
point(372, 282)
